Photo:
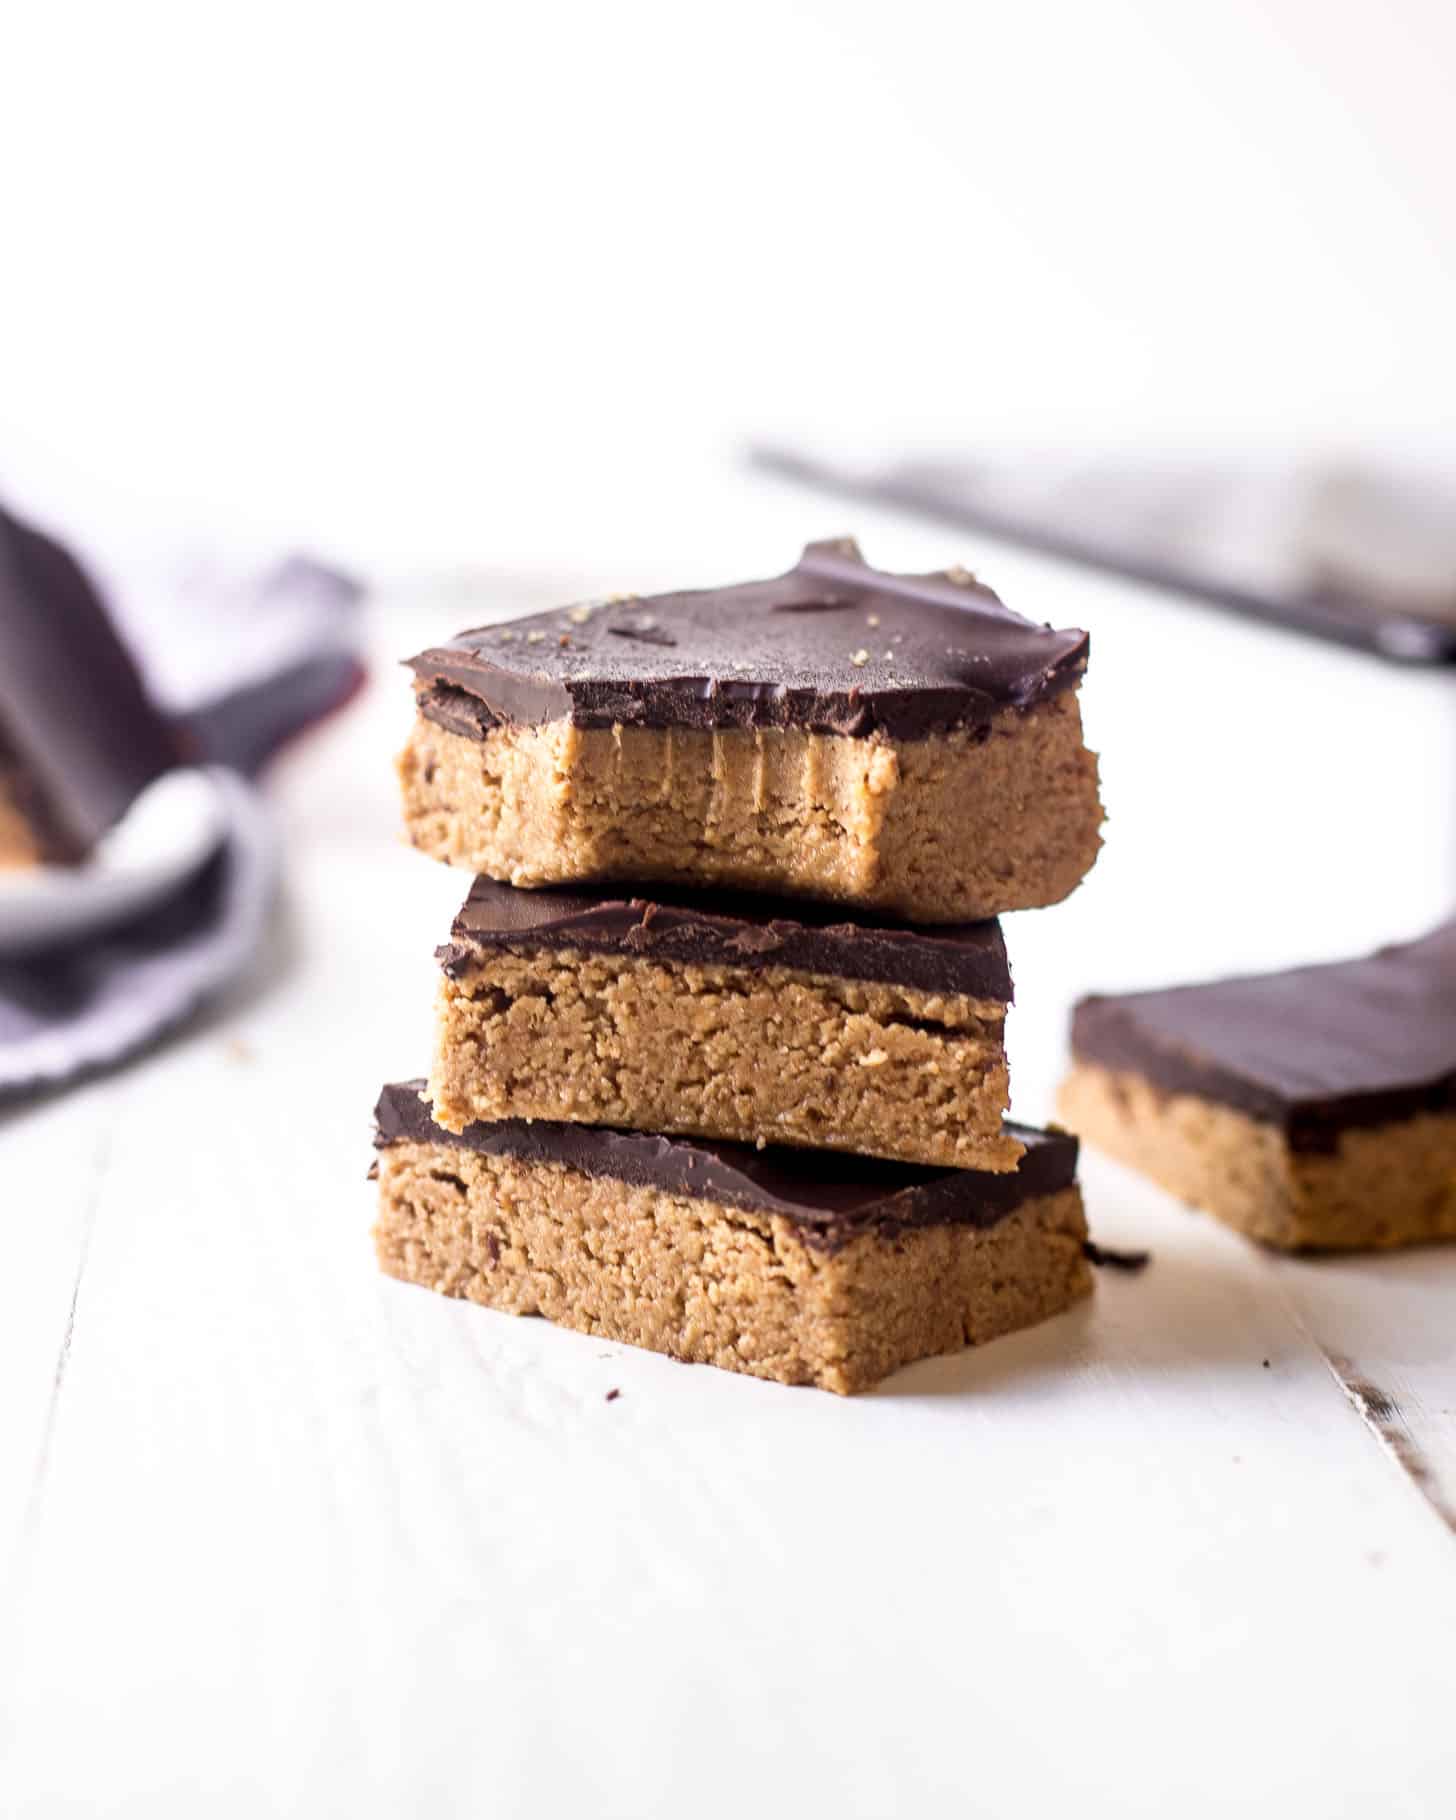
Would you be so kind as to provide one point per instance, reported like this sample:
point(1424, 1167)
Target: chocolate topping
point(833, 646)
point(832, 1197)
point(74, 716)
point(1317, 1051)
point(728, 929)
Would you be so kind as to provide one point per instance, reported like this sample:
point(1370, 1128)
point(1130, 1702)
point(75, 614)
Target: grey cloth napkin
point(100, 999)
point(282, 640)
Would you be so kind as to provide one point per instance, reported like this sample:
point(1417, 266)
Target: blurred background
point(478, 281)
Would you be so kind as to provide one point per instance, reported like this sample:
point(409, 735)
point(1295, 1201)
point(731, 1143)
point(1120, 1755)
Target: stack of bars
point(754, 1118)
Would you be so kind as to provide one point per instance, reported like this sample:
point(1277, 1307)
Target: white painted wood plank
point(312, 1543)
point(316, 1543)
point(1384, 1326)
point(52, 1160)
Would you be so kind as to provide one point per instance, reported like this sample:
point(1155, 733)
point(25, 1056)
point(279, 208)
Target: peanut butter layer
point(1368, 1187)
point(745, 1054)
point(653, 1258)
point(952, 827)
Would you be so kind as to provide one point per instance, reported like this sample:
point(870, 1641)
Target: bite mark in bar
point(835, 732)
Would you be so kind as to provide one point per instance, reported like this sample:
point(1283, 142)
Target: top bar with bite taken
point(902, 742)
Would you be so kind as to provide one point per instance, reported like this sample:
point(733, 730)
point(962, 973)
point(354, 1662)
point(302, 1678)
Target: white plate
point(171, 828)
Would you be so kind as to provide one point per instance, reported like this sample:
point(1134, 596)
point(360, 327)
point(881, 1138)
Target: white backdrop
point(484, 280)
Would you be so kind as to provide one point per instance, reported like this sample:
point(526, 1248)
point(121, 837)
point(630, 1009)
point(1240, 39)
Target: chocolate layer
point(75, 720)
point(1317, 1050)
point(735, 930)
point(833, 646)
point(831, 1196)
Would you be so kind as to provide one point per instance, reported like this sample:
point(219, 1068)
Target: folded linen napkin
point(234, 660)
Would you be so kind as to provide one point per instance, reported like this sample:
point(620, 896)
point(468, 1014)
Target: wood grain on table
point(283, 1537)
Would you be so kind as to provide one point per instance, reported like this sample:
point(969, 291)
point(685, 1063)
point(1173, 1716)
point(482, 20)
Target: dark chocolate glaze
point(1316, 1051)
point(833, 646)
point(723, 928)
point(1109, 1257)
point(830, 1196)
point(74, 716)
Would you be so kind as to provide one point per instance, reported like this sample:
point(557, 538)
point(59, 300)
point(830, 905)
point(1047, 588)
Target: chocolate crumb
point(1105, 1255)
point(1266, 1364)
point(646, 631)
point(612, 1395)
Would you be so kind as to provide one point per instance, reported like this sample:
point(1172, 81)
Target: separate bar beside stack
point(1313, 1110)
point(720, 1118)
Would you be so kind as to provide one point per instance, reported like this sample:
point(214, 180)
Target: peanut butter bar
point(807, 1269)
point(1313, 1109)
point(902, 742)
point(746, 1019)
point(79, 740)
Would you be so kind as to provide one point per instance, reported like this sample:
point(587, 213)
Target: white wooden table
point(281, 1537)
